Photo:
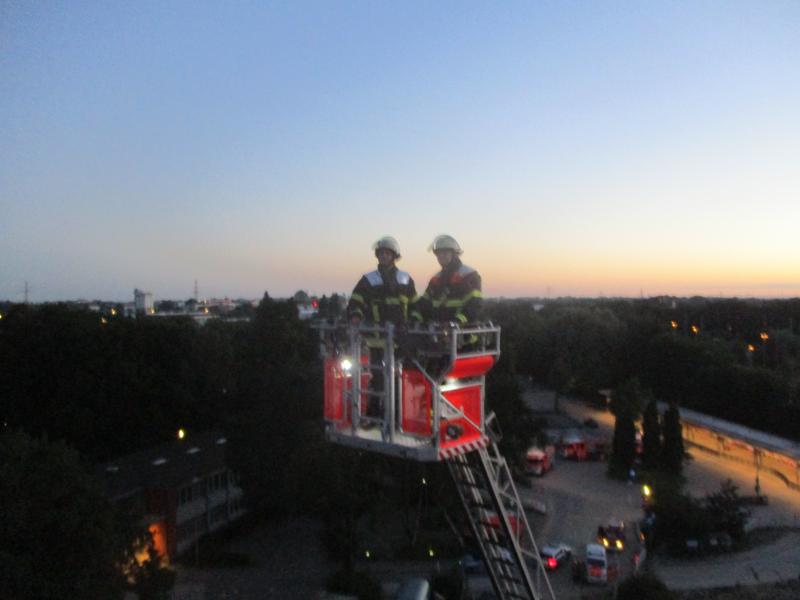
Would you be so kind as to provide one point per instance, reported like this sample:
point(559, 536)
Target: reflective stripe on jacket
point(383, 296)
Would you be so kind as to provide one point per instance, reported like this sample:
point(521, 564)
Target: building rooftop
point(167, 466)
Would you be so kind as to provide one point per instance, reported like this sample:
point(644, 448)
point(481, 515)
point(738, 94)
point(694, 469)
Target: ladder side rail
point(513, 496)
point(460, 470)
point(519, 557)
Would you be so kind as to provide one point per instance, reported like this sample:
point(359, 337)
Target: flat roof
point(754, 437)
point(166, 466)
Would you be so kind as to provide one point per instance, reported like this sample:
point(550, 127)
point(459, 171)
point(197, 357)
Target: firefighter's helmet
point(388, 242)
point(445, 242)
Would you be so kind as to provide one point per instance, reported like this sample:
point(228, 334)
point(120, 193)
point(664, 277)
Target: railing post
point(355, 375)
point(389, 385)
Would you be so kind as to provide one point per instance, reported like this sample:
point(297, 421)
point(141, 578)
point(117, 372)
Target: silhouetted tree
point(643, 585)
point(623, 448)
point(672, 452)
point(61, 538)
point(651, 436)
point(726, 510)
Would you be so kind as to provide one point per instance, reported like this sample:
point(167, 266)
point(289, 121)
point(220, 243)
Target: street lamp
point(695, 329)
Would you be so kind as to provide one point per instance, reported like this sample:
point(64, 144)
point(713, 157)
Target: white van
point(596, 564)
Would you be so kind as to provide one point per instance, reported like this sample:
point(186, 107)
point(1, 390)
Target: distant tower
point(143, 302)
point(195, 290)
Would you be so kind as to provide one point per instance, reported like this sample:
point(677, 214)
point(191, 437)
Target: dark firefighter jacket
point(453, 294)
point(383, 295)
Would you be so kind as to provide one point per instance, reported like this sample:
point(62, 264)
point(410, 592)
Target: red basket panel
point(416, 403)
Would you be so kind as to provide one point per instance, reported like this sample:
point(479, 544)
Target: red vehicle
point(539, 461)
point(493, 520)
point(584, 447)
point(574, 447)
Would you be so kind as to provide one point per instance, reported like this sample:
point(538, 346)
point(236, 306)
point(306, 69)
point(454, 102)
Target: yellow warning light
point(181, 433)
point(646, 491)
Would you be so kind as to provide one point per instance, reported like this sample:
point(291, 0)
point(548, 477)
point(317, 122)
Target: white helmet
point(389, 242)
point(445, 242)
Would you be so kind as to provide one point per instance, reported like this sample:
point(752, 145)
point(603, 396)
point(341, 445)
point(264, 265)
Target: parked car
point(553, 556)
point(612, 535)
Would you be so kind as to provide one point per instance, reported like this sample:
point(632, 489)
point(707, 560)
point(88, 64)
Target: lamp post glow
point(181, 433)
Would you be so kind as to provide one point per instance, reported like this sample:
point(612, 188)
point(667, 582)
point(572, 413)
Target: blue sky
point(581, 148)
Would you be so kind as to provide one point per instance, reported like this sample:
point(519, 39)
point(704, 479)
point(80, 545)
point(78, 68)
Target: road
point(579, 497)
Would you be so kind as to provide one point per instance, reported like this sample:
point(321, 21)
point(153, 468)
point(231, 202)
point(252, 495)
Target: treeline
point(109, 386)
point(736, 359)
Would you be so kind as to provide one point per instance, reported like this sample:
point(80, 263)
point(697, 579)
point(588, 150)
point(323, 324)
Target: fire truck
point(428, 385)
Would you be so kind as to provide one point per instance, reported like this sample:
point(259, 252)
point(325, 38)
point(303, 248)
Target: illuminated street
point(772, 561)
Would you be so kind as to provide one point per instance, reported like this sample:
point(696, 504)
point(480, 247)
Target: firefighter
point(384, 294)
point(454, 293)
point(381, 296)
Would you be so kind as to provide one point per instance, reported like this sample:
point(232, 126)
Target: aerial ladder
point(420, 395)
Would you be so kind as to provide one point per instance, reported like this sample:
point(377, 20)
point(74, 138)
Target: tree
point(651, 436)
point(726, 510)
point(672, 453)
point(643, 585)
point(61, 537)
point(625, 404)
point(623, 447)
point(504, 397)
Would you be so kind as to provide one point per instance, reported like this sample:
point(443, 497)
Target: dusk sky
point(572, 148)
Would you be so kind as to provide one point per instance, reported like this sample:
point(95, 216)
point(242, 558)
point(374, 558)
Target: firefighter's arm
point(472, 302)
point(357, 306)
point(420, 309)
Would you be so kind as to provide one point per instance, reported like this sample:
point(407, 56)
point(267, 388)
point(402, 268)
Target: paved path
point(768, 563)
